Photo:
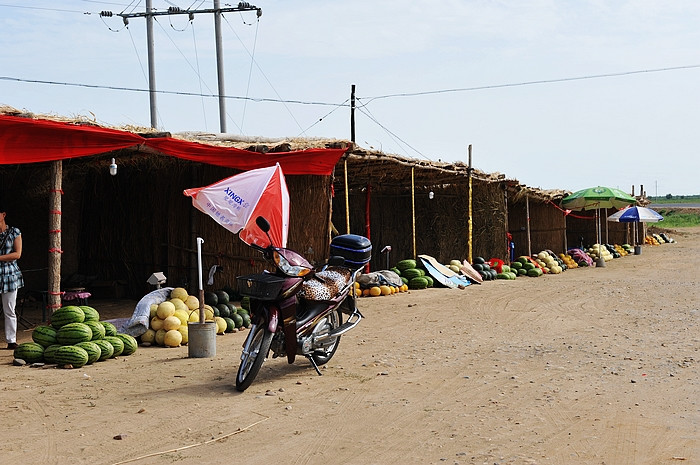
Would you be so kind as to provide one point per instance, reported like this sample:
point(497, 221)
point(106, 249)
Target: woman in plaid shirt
point(10, 276)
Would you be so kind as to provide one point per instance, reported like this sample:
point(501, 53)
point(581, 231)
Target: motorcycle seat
point(326, 284)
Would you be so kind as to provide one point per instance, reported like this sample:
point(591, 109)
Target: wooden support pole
point(470, 222)
point(54, 281)
point(347, 199)
point(413, 209)
point(527, 215)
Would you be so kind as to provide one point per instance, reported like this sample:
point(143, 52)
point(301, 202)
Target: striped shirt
point(10, 276)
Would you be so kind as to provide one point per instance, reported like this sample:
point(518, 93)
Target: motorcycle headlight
point(287, 268)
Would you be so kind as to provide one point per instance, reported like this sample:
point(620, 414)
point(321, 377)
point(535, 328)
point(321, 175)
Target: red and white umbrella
point(237, 201)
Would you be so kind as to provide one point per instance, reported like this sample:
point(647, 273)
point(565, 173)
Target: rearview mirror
point(263, 224)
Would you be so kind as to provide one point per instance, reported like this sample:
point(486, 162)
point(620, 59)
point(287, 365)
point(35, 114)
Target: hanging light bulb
point(431, 195)
point(113, 168)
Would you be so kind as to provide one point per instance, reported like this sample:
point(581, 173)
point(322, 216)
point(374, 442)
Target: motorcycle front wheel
point(253, 360)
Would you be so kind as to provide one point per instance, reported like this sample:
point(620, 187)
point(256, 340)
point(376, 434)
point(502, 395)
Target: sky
point(556, 94)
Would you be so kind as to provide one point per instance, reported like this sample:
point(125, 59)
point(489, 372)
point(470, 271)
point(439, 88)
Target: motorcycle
point(298, 309)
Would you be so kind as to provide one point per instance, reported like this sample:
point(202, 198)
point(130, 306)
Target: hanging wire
point(145, 77)
point(199, 76)
point(395, 137)
point(196, 57)
point(323, 117)
point(250, 70)
point(281, 100)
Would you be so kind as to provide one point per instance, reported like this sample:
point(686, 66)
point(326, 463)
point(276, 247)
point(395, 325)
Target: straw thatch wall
point(441, 223)
point(582, 231)
point(547, 226)
point(118, 230)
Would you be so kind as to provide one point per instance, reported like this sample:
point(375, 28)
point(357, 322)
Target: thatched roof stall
point(550, 226)
point(117, 230)
point(441, 222)
point(545, 228)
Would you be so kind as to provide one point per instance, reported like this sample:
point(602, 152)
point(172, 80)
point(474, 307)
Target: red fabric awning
point(27, 140)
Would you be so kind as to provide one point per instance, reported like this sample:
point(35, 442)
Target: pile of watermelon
point(412, 276)
point(75, 337)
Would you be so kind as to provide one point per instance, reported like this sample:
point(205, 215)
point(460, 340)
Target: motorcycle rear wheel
point(323, 356)
point(252, 362)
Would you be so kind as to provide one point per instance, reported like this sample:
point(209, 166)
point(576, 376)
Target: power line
point(169, 92)
point(529, 83)
point(45, 9)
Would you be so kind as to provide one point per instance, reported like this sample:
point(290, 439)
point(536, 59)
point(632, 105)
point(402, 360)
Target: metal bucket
point(201, 339)
point(637, 249)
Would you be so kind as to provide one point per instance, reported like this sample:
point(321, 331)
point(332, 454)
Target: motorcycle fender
point(273, 321)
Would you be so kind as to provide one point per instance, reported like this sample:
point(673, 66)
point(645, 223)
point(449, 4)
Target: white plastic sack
point(140, 319)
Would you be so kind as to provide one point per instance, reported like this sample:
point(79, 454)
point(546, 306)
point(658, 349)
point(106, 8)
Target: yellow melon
point(185, 333)
point(375, 291)
point(384, 290)
point(193, 316)
point(149, 336)
point(156, 323)
point(165, 309)
point(153, 309)
point(179, 293)
point(160, 336)
point(220, 325)
point(192, 302)
point(179, 304)
point(172, 338)
point(172, 322)
point(182, 315)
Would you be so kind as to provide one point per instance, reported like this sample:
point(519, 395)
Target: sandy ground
point(593, 366)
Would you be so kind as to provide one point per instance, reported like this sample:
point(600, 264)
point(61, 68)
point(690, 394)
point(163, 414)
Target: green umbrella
point(597, 197)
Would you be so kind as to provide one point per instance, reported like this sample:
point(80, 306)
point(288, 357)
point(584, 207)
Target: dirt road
point(593, 366)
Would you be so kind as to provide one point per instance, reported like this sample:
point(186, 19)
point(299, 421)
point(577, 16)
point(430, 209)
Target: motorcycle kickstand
point(313, 362)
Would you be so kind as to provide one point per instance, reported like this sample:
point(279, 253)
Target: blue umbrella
point(636, 215)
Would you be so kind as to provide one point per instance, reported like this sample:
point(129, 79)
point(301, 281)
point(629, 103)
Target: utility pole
point(352, 114)
point(150, 13)
point(151, 64)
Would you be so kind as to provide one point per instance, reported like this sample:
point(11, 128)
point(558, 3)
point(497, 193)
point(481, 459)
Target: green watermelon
point(106, 349)
point(411, 273)
point(222, 296)
point(92, 349)
point(418, 282)
point(246, 320)
point(98, 329)
point(68, 314)
point(73, 355)
point(110, 329)
point(245, 303)
point(44, 335)
point(30, 352)
point(430, 280)
point(49, 353)
point(220, 309)
point(237, 319)
point(130, 344)
point(117, 343)
point(211, 299)
point(72, 333)
point(90, 313)
point(404, 265)
point(230, 324)
point(231, 309)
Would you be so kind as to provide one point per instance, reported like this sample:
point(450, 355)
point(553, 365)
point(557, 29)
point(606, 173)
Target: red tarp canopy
point(26, 140)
